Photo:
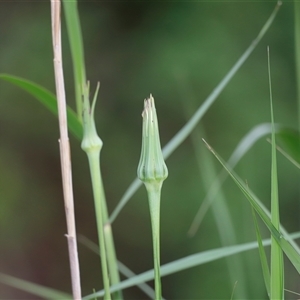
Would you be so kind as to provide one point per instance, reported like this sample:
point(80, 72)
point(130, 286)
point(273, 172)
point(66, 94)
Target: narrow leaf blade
point(262, 255)
point(46, 98)
point(277, 270)
point(290, 250)
point(33, 288)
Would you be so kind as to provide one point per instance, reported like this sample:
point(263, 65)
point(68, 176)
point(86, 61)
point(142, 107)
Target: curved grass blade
point(48, 99)
point(220, 210)
point(291, 250)
point(221, 213)
point(288, 138)
point(185, 131)
point(33, 288)
point(241, 149)
point(186, 263)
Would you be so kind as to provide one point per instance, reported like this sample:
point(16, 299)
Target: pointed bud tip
point(148, 105)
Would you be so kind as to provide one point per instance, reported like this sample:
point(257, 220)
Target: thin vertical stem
point(92, 144)
point(111, 252)
point(152, 170)
point(93, 157)
point(65, 150)
point(77, 52)
point(154, 205)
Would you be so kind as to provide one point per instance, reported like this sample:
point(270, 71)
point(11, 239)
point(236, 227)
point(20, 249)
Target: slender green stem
point(92, 145)
point(93, 157)
point(152, 170)
point(77, 51)
point(111, 252)
point(154, 192)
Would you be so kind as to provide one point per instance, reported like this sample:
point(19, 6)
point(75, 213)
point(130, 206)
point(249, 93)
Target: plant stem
point(65, 150)
point(111, 254)
point(77, 51)
point(93, 157)
point(154, 192)
point(152, 170)
point(92, 144)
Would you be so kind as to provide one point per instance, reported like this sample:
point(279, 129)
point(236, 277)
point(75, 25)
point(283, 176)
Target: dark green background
point(178, 51)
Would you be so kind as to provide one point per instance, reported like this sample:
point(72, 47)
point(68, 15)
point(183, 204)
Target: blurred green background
point(134, 49)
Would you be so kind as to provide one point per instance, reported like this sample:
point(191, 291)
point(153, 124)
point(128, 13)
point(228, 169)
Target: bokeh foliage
point(134, 49)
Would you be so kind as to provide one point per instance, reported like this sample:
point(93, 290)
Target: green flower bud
point(91, 141)
point(152, 167)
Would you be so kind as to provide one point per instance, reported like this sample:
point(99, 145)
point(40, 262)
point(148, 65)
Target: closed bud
point(152, 167)
point(91, 142)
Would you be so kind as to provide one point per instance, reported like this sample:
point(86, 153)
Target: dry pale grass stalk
point(65, 149)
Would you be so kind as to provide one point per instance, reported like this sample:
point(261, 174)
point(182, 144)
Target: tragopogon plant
point(152, 171)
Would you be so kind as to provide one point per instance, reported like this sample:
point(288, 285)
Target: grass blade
point(283, 239)
point(48, 99)
point(77, 52)
point(277, 271)
point(222, 216)
point(241, 149)
point(147, 289)
point(262, 255)
point(186, 263)
point(33, 288)
point(220, 208)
